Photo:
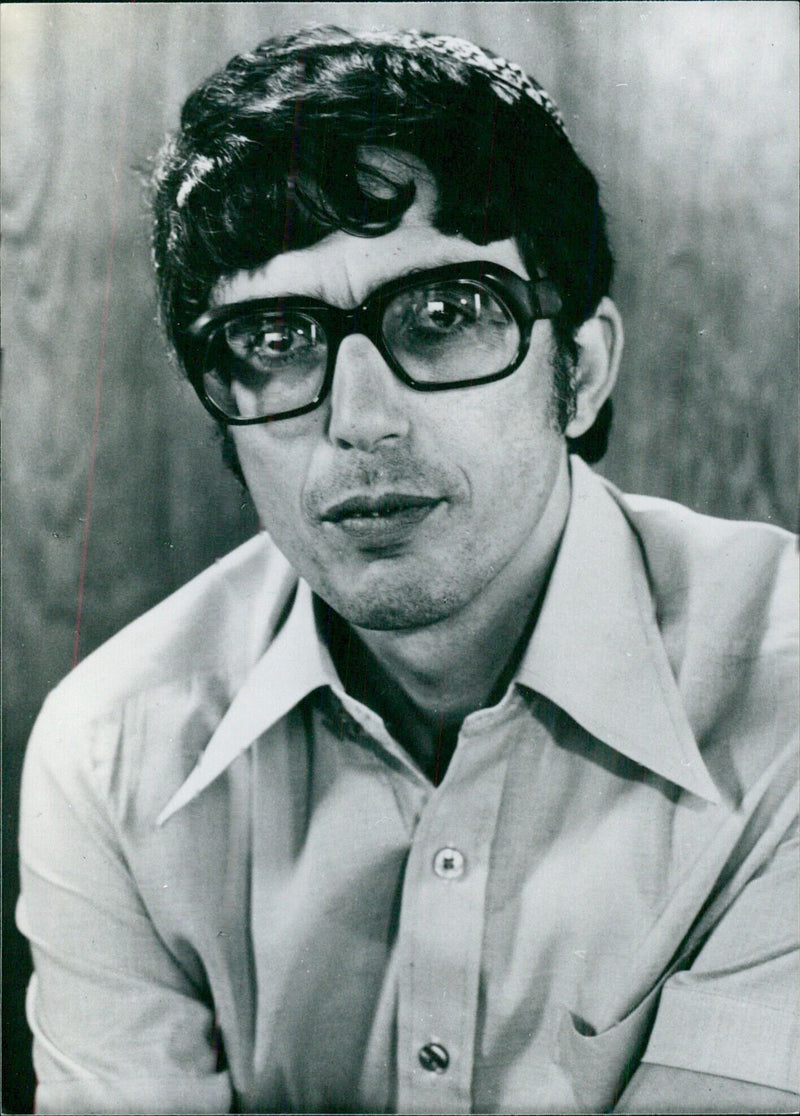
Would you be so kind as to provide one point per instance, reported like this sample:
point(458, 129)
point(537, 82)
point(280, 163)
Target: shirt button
point(448, 864)
point(434, 1057)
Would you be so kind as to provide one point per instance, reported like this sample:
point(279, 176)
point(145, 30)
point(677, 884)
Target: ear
point(599, 341)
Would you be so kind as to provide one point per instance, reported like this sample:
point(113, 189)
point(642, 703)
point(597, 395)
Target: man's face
point(461, 479)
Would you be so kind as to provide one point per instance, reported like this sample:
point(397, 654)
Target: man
point(470, 784)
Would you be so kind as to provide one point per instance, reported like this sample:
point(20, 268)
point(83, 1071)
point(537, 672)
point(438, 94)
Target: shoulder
point(218, 623)
point(725, 600)
point(147, 700)
point(716, 576)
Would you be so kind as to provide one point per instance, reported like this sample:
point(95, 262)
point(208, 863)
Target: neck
point(425, 681)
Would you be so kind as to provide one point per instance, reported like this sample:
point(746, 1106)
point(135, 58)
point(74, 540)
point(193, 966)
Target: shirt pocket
point(600, 1064)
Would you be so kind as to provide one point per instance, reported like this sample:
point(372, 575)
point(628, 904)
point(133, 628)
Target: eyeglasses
point(455, 326)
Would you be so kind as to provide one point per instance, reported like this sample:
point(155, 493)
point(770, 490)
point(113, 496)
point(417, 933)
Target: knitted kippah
point(508, 80)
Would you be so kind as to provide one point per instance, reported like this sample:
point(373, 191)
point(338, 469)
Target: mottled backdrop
point(688, 114)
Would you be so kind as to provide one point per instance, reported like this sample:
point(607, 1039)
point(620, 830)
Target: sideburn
point(565, 391)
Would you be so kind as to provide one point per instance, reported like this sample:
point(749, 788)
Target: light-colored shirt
point(240, 890)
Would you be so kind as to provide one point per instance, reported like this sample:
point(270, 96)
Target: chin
point(394, 609)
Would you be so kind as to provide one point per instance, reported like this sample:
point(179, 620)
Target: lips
point(376, 507)
point(379, 521)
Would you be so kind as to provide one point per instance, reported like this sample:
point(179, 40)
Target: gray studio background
point(687, 113)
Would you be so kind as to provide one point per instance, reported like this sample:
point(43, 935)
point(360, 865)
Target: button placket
point(440, 937)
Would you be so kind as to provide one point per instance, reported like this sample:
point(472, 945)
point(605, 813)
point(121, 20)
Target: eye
point(444, 312)
point(457, 312)
point(272, 339)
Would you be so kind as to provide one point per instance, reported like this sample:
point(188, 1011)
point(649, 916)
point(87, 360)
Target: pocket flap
point(599, 1065)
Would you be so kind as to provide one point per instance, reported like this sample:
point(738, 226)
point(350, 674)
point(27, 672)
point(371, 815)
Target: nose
point(367, 405)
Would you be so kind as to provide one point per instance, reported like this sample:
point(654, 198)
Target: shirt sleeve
point(734, 1014)
point(118, 1024)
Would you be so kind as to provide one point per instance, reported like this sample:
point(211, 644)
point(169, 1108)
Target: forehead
point(343, 269)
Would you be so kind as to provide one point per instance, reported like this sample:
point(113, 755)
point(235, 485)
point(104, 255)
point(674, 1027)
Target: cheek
point(511, 425)
point(275, 464)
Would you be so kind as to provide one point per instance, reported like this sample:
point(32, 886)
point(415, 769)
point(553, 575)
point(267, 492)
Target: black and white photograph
point(400, 560)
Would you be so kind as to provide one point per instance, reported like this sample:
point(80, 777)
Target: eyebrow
point(315, 295)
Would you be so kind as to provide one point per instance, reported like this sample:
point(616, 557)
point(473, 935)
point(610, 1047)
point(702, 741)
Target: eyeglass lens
point(275, 360)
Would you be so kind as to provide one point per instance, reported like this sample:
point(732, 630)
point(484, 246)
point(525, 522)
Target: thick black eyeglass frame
point(528, 300)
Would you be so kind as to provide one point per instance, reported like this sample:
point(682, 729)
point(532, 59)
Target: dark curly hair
point(267, 159)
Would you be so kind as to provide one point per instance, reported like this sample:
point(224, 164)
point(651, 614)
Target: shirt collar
point(596, 652)
point(296, 663)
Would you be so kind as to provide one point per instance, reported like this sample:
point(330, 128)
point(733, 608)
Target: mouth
point(381, 520)
point(377, 507)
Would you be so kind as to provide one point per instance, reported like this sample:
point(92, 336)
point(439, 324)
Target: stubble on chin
point(383, 603)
